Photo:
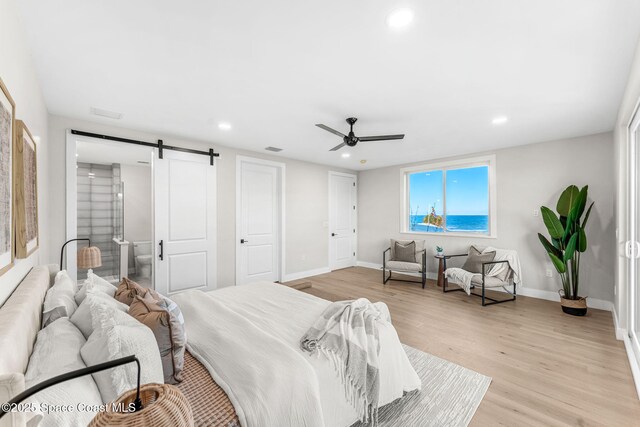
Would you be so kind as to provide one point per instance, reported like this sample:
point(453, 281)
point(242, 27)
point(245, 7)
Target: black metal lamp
point(88, 256)
point(137, 403)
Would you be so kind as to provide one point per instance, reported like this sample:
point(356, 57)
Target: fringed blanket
point(463, 278)
point(347, 334)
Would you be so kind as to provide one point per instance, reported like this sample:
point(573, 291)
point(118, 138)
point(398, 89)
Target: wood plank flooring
point(548, 368)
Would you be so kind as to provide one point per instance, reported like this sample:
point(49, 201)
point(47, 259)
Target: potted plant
point(439, 251)
point(568, 242)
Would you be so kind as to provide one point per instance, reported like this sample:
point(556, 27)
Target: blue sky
point(467, 191)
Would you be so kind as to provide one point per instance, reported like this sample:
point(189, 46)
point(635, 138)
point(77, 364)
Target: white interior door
point(342, 220)
point(185, 222)
point(258, 245)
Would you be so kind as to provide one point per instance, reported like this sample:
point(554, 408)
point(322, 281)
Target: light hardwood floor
point(548, 368)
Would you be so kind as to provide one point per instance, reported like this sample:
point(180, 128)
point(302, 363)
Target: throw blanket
point(463, 278)
point(347, 334)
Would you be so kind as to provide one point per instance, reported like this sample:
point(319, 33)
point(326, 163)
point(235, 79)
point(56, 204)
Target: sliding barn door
point(185, 221)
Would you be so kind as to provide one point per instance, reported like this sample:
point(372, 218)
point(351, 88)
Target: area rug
point(450, 395)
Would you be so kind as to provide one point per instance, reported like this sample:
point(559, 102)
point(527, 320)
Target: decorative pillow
point(167, 329)
point(405, 252)
point(97, 283)
point(128, 290)
point(115, 335)
point(83, 319)
point(57, 351)
point(59, 300)
point(172, 307)
point(474, 261)
point(63, 274)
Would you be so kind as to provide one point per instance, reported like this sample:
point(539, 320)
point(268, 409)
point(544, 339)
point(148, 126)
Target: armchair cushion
point(474, 261)
point(404, 266)
point(405, 252)
point(489, 281)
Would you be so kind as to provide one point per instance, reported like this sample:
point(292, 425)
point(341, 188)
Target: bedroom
point(532, 97)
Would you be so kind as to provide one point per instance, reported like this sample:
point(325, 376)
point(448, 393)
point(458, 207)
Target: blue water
point(455, 223)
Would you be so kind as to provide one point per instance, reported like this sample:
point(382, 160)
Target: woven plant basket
point(575, 307)
point(163, 406)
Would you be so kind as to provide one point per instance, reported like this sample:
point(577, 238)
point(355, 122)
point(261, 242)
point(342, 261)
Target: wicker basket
point(163, 406)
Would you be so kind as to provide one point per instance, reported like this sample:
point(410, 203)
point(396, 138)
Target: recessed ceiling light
point(500, 120)
point(363, 161)
point(345, 155)
point(224, 126)
point(400, 18)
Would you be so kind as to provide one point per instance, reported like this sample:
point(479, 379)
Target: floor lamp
point(88, 256)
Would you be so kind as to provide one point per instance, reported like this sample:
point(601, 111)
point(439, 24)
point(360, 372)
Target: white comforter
point(248, 337)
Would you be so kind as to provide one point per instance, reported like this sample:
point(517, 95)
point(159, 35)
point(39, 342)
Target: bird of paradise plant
point(568, 236)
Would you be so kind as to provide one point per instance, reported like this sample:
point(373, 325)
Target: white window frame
point(488, 160)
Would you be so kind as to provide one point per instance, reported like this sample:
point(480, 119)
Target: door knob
point(333, 234)
point(244, 241)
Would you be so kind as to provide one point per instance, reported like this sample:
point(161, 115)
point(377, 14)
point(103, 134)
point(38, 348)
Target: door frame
point(240, 159)
point(71, 200)
point(355, 216)
point(631, 336)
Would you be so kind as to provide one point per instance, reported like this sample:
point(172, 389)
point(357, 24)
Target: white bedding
point(248, 337)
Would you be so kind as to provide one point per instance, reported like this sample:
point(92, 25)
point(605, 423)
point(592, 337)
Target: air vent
point(106, 113)
point(274, 149)
point(143, 163)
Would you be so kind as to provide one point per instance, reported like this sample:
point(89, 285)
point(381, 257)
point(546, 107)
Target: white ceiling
point(275, 68)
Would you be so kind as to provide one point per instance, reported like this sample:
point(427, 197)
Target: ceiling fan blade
point(333, 131)
point(380, 137)
point(337, 147)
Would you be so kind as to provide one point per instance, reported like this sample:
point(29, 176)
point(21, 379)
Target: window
point(454, 197)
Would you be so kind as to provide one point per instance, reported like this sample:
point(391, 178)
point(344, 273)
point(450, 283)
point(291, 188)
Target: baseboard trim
point(527, 292)
point(620, 332)
point(304, 274)
point(633, 362)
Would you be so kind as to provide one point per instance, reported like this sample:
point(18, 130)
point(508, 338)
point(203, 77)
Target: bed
point(243, 366)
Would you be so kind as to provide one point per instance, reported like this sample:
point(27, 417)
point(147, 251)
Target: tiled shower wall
point(100, 213)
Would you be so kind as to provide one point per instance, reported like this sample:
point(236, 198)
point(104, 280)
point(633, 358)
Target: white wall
point(306, 198)
point(627, 107)
point(527, 177)
point(138, 212)
point(18, 74)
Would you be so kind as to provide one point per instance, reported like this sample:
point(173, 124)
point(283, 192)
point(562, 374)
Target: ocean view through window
point(452, 198)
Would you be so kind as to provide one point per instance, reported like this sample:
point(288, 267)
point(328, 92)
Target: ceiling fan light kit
point(351, 139)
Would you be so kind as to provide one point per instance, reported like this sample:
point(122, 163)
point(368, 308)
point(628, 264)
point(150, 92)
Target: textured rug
point(450, 395)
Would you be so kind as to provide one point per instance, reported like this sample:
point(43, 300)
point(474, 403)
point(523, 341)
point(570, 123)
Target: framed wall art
point(25, 178)
point(7, 129)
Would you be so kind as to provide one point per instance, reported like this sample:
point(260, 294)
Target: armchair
point(486, 279)
point(391, 263)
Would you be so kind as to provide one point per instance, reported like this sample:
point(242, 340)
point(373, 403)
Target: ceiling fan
point(351, 139)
